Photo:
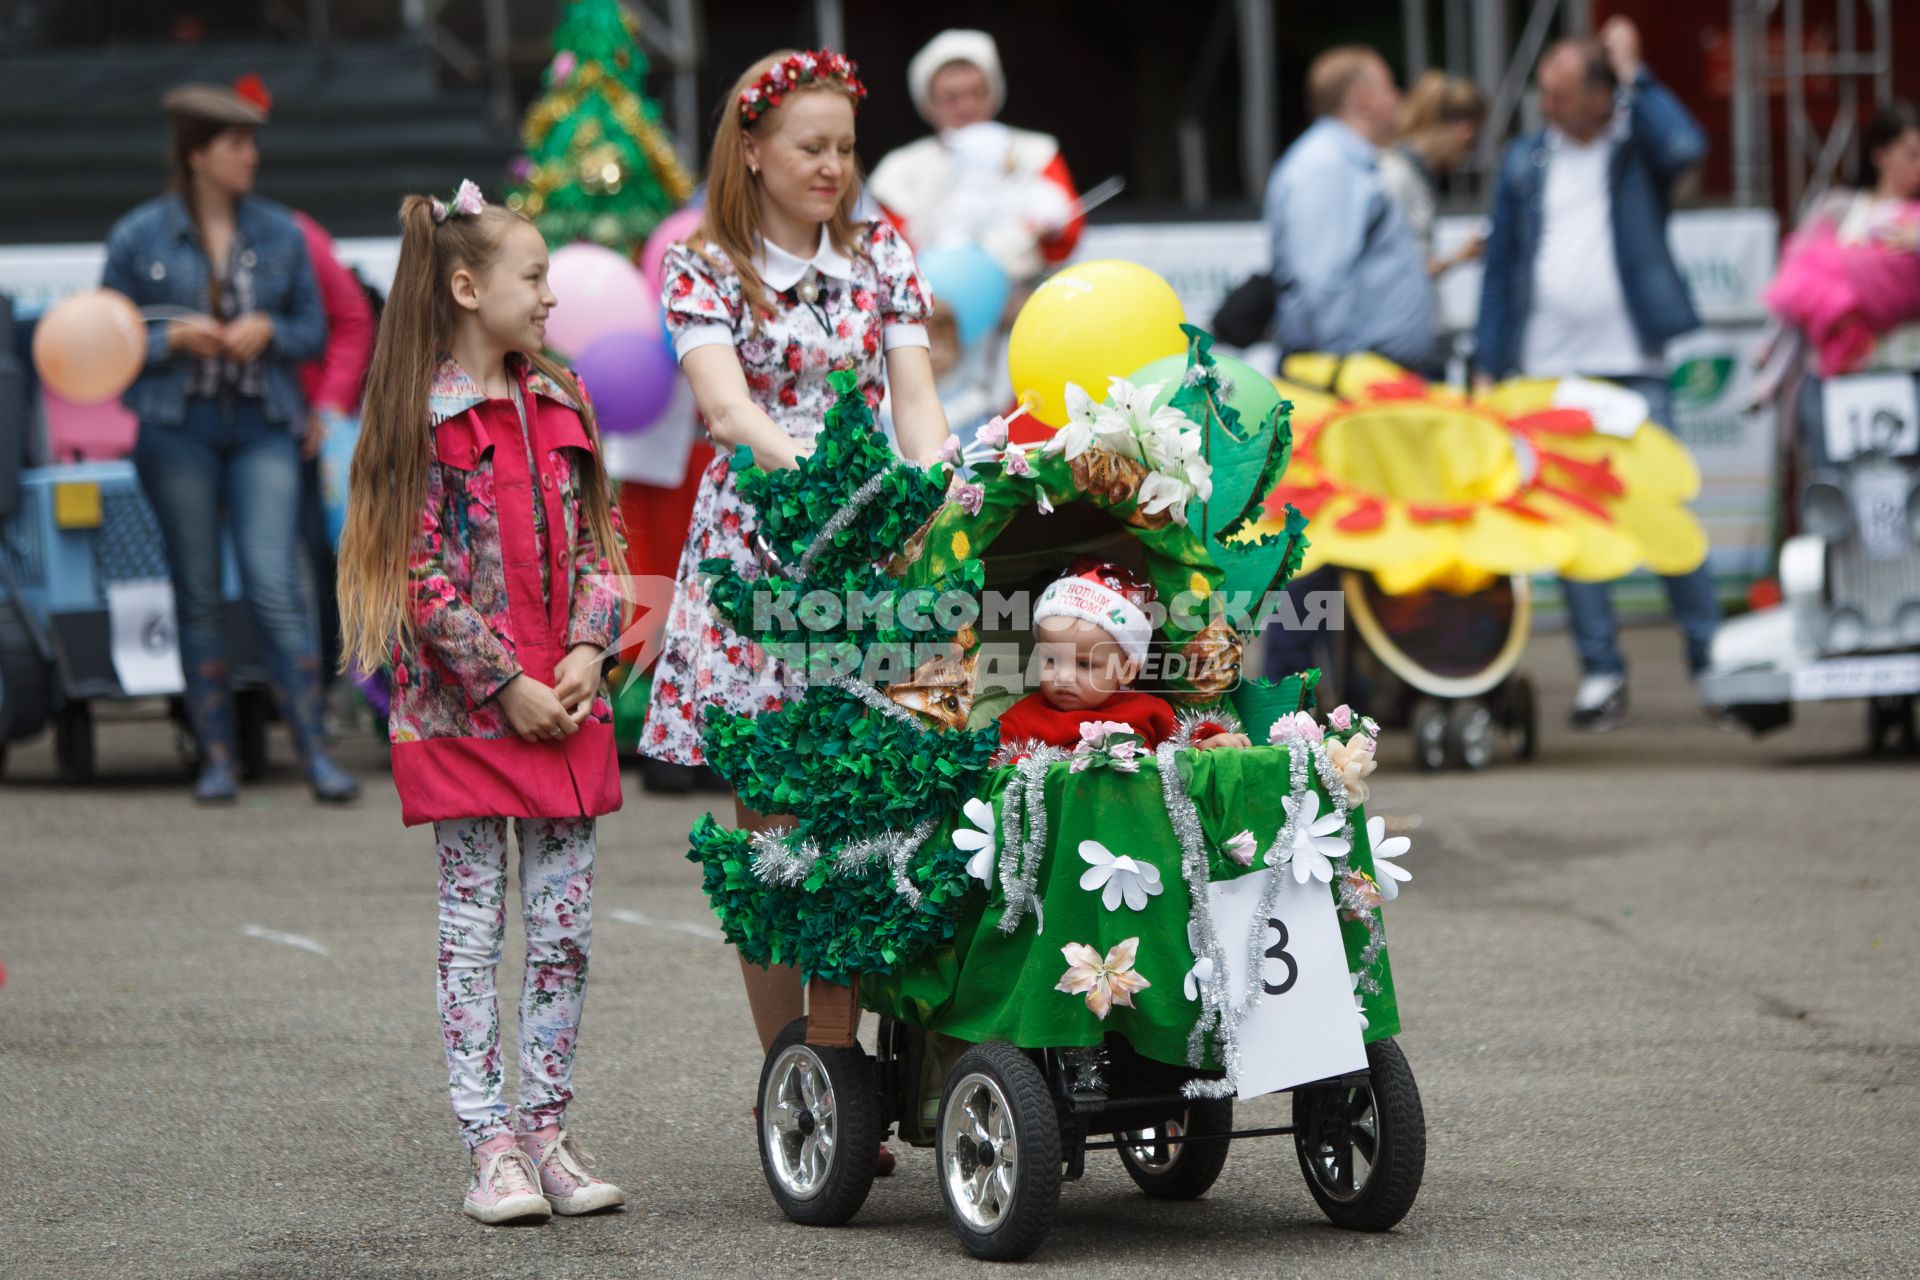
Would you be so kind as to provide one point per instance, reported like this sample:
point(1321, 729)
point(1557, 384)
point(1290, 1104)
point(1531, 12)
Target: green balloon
point(1236, 463)
point(1254, 394)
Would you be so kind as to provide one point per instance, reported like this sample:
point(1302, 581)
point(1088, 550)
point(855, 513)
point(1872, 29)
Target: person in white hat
point(977, 181)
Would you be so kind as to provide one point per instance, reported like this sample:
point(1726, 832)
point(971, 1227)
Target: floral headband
point(801, 71)
point(467, 202)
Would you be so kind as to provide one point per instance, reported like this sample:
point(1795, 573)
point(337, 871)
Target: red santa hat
point(1107, 595)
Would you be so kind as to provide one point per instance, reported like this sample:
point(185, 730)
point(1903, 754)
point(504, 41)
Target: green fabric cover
point(987, 984)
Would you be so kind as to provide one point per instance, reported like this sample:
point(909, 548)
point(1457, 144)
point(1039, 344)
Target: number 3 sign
point(1304, 1027)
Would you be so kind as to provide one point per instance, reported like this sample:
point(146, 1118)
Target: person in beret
point(221, 414)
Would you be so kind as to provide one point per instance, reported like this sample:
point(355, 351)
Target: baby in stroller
point(1093, 633)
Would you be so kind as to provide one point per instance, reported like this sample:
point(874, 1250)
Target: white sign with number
point(1305, 1027)
point(1878, 412)
point(144, 643)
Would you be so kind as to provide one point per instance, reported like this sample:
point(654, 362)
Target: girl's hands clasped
point(535, 711)
point(576, 680)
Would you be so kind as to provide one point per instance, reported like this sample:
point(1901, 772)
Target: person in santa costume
point(977, 181)
point(1094, 634)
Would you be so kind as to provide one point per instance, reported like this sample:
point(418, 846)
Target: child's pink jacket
point(494, 596)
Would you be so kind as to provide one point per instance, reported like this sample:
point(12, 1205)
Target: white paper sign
point(145, 643)
point(1885, 676)
point(1871, 411)
point(1615, 410)
point(1304, 1027)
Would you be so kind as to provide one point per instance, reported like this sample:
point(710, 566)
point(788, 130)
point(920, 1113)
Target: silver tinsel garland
point(1023, 832)
point(877, 700)
point(845, 516)
point(1187, 723)
point(778, 860)
point(1214, 1014)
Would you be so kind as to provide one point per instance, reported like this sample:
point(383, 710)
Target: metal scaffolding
point(1771, 58)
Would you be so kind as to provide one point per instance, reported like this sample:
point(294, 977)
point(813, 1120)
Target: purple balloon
point(630, 376)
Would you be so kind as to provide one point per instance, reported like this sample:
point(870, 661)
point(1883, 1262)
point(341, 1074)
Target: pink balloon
point(91, 346)
point(78, 432)
point(676, 226)
point(599, 293)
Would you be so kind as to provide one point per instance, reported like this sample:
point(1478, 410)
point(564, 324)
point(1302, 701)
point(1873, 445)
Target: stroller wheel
point(819, 1122)
point(1181, 1170)
point(999, 1152)
point(1470, 735)
point(1363, 1148)
point(1523, 717)
point(1429, 722)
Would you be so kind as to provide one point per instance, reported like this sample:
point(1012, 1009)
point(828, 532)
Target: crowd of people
point(482, 528)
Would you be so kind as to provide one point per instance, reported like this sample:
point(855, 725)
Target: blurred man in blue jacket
point(1353, 276)
point(1579, 281)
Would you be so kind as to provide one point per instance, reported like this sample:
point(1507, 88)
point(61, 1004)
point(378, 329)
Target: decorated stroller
point(1069, 952)
point(1435, 509)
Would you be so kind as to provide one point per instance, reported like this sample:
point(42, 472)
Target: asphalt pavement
point(1658, 987)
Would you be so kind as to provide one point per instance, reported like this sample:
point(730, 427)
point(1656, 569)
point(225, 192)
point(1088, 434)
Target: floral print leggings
point(556, 904)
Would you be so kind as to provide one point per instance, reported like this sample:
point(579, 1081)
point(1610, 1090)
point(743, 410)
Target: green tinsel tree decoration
point(598, 166)
point(867, 878)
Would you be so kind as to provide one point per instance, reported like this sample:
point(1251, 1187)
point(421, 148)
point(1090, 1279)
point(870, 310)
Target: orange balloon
point(90, 347)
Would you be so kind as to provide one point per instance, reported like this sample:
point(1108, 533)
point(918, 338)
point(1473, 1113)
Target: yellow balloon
point(1090, 322)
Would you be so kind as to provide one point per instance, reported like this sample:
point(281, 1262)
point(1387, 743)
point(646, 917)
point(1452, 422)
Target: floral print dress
point(865, 306)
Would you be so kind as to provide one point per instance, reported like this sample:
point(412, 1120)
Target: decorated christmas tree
point(874, 759)
point(597, 165)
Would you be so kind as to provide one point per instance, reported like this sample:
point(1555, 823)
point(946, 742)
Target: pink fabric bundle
point(1844, 295)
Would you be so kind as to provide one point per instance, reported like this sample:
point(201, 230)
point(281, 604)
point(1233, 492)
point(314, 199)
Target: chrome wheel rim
point(799, 1122)
point(1143, 1146)
point(979, 1152)
point(1344, 1143)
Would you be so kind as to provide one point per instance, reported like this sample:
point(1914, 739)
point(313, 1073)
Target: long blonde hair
point(732, 217)
point(387, 488)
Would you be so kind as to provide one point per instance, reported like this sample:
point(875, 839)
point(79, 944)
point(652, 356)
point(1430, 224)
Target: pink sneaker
point(505, 1187)
point(564, 1179)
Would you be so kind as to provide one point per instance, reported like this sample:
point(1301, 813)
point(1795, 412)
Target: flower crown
point(801, 71)
point(467, 202)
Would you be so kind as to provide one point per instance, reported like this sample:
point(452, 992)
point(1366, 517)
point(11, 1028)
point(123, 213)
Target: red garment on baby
point(1034, 717)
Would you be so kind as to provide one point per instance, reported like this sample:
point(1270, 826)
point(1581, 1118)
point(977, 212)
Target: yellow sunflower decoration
point(1425, 487)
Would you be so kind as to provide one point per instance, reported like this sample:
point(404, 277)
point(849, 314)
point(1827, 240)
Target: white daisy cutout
point(1316, 839)
point(1202, 972)
point(1359, 1001)
point(982, 838)
point(1118, 877)
point(1386, 872)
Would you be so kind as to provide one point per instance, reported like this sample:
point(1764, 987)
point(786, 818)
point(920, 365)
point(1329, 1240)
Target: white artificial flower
point(1162, 492)
point(1386, 872)
point(1316, 839)
point(1118, 877)
point(1359, 1001)
point(982, 838)
point(1075, 436)
point(1202, 972)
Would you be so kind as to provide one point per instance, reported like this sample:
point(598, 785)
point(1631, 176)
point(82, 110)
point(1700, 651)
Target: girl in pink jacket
point(477, 558)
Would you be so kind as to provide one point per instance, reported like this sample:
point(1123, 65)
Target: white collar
point(780, 270)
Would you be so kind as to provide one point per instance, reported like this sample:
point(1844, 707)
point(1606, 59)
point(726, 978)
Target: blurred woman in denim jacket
point(221, 413)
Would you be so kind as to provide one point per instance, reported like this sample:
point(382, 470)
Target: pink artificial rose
point(971, 498)
point(1017, 465)
point(950, 449)
point(1341, 717)
point(994, 434)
